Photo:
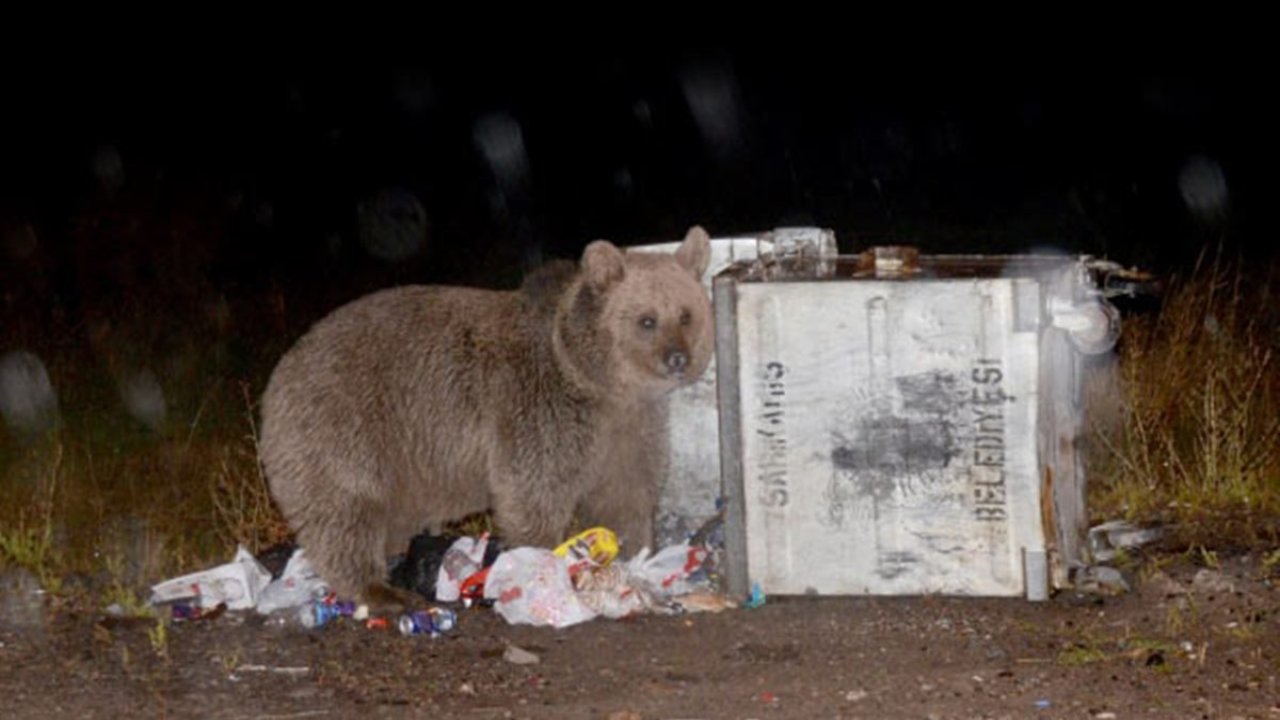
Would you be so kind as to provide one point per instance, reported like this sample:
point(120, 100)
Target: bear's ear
point(603, 264)
point(694, 254)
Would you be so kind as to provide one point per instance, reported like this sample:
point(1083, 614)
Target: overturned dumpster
point(897, 424)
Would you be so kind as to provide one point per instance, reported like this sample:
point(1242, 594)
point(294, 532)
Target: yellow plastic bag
point(599, 545)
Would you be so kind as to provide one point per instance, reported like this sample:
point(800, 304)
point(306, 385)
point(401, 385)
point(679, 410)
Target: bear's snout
point(676, 360)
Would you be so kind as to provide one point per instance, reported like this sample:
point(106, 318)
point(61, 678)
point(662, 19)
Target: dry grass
point(119, 504)
point(1186, 419)
point(27, 537)
point(244, 512)
point(122, 517)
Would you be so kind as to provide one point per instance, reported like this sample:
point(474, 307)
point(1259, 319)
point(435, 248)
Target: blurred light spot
point(500, 140)
point(1211, 324)
point(1204, 188)
point(643, 113)
point(623, 181)
point(392, 225)
point(109, 168)
point(144, 399)
point(27, 400)
point(712, 94)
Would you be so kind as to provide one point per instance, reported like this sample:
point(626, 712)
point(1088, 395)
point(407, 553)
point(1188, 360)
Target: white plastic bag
point(531, 586)
point(613, 593)
point(464, 558)
point(644, 584)
point(296, 586)
point(667, 573)
point(236, 583)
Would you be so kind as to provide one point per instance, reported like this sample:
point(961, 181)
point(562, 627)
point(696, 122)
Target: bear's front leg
point(625, 502)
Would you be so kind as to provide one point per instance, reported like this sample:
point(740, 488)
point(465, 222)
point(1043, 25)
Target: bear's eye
point(686, 317)
point(648, 322)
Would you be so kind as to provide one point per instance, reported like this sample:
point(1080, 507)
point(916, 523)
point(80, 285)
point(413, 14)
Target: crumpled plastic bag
point(237, 584)
point(644, 583)
point(464, 558)
point(531, 586)
point(297, 585)
point(613, 593)
point(670, 572)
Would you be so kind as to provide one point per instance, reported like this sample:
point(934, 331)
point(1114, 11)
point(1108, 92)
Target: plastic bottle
point(320, 612)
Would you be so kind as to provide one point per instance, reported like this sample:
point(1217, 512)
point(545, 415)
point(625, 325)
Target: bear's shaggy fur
point(416, 406)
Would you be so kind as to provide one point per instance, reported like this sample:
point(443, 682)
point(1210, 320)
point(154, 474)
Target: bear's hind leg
point(345, 541)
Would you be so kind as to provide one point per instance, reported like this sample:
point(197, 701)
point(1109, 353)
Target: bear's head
point(642, 320)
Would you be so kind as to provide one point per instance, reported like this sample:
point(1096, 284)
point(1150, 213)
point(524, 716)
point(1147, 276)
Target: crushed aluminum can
point(432, 621)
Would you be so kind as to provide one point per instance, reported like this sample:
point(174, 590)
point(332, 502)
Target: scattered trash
point(419, 568)
point(276, 670)
point(464, 558)
point(704, 601)
point(1109, 538)
point(519, 656)
point(320, 612)
point(433, 621)
point(578, 581)
point(575, 582)
point(472, 589)
point(276, 558)
point(1043, 704)
point(1100, 580)
point(856, 695)
point(237, 583)
point(1208, 580)
point(756, 598)
point(532, 586)
point(185, 611)
point(671, 571)
point(644, 584)
point(297, 585)
point(422, 569)
point(596, 547)
point(612, 593)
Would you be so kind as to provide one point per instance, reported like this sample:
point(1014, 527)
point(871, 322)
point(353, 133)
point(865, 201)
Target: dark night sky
point(517, 157)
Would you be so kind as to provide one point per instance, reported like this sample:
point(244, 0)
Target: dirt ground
point(1189, 642)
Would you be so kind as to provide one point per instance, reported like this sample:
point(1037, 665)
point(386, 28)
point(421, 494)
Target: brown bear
point(416, 406)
